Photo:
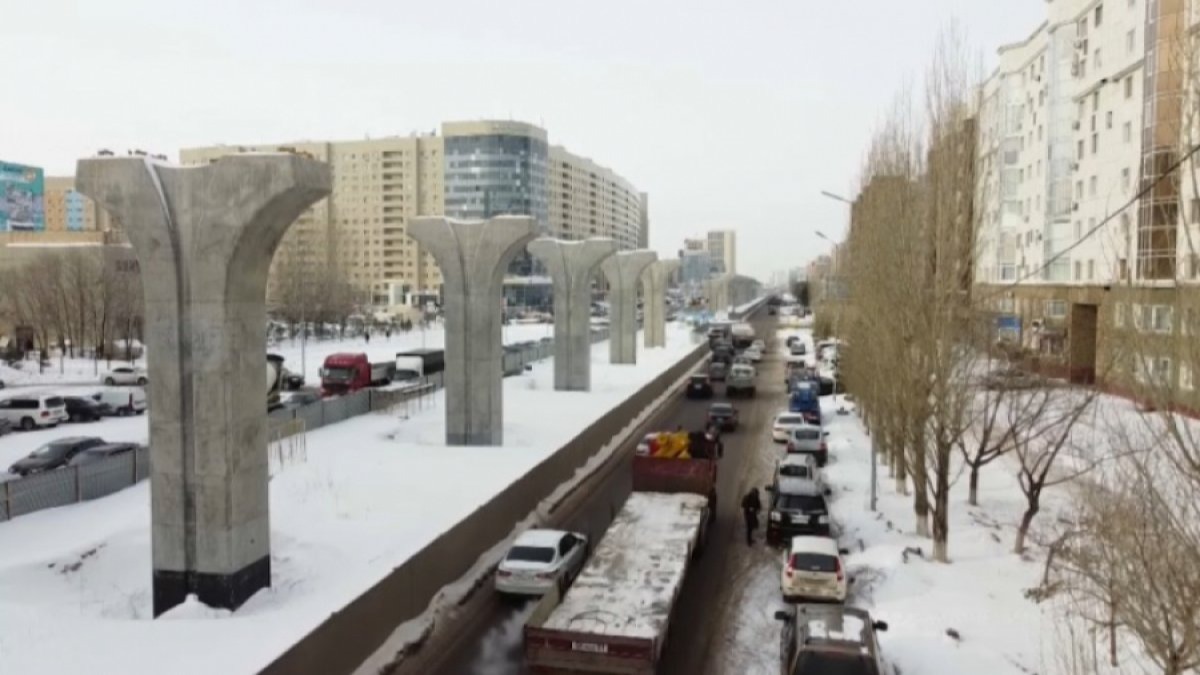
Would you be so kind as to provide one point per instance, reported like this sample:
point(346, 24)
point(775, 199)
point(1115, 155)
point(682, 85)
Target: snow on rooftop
point(630, 583)
point(538, 537)
point(371, 493)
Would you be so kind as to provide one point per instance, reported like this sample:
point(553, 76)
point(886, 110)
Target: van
point(33, 411)
point(123, 401)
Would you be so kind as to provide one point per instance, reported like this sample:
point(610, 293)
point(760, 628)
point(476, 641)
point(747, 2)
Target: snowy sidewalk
point(372, 492)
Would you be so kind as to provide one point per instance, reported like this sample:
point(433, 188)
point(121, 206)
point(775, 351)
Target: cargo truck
point(742, 335)
point(346, 373)
point(616, 616)
point(419, 363)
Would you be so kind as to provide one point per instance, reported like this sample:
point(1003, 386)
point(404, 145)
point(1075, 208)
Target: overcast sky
point(731, 114)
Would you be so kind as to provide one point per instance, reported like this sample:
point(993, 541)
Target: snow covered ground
point(372, 491)
point(380, 348)
point(980, 595)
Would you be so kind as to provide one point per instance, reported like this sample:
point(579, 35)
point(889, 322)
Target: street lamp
point(834, 197)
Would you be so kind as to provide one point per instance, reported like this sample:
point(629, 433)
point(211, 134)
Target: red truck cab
point(345, 373)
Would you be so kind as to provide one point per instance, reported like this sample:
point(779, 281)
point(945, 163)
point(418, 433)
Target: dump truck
point(616, 616)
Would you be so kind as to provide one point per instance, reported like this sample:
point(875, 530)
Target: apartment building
point(1077, 121)
point(722, 246)
point(473, 169)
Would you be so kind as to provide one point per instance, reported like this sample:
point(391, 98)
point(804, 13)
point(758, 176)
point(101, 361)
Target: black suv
point(81, 409)
point(820, 639)
point(723, 416)
point(797, 507)
point(699, 386)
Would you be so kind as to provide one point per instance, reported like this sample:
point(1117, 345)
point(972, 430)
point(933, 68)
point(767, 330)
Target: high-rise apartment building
point(471, 170)
point(1077, 121)
point(722, 246)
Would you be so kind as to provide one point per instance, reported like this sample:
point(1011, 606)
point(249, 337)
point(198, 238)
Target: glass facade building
point(494, 175)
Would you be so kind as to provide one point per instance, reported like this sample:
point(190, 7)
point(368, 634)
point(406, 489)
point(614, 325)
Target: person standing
point(751, 505)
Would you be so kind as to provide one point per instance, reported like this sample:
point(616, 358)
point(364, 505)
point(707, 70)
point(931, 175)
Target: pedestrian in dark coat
point(751, 505)
point(367, 335)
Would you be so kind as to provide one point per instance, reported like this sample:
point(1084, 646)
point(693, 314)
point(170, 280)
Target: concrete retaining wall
point(350, 635)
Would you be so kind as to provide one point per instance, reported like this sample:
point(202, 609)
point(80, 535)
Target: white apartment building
point(589, 200)
point(1059, 149)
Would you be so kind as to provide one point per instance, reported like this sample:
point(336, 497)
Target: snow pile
point(628, 586)
point(374, 490)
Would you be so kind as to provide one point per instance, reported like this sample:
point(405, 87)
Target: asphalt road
point(491, 643)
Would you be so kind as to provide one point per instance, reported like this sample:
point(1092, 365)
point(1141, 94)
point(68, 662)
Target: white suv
point(31, 412)
point(813, 571)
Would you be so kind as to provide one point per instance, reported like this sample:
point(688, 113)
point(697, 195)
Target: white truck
point(616, 615)
point(742, 335)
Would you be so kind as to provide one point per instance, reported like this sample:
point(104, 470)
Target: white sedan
point(753, 353)
point(784, 424)
point(125, 375)
point(541, 560)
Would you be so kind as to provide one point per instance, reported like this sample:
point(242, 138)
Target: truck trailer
point(419, 363)
point(616, 616)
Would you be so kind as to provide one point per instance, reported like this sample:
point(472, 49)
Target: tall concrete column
point(654, 287)
point(623, 272)
point(204, 238)
point(572, 265)
point(473, 257)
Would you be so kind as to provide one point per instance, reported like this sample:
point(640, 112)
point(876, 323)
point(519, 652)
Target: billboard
point(22, 191)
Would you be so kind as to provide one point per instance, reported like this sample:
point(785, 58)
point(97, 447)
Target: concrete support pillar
point(623, 272)
point(204, 239)
point(654, 301)
point(572, 265)
point(473, 257)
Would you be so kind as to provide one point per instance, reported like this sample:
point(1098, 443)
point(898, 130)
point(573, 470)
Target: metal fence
point(285, 438)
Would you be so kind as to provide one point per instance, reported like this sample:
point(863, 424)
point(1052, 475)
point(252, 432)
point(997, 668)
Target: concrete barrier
point(344, 640)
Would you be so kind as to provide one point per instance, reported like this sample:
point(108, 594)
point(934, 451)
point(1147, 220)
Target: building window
point(1096, 101)
point(1185, 377)
point(1079, 150)
point(1056, 309)
point(1119, 315)
point(1092, 182)
point(1078, 270)
point(1095, 143)
point(1091, 270)
point(1099, 18)
point(1125, 178)
point(1129, 40)
point(1127, 132)
point(1108, 120)
point(1078, 189)
point(1129, 86)
point(1193, 265)
point(1158, 318)
point(1096, 59)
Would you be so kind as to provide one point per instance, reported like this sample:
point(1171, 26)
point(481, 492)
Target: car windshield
point(814, 562)
point(699, 379)
point(803, 503)
point(721, 409)
point(539, 554)
point(339, 374)
point(795, 471)
point(835, 663)
point(54, 402)
point(805, 434)
point(404, 375)
point(51, 450)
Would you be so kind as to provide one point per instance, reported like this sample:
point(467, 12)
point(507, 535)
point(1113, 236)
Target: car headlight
point(775, 516)
point(824, 520)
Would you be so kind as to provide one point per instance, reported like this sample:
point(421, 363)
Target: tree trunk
point(973, 486)
point(1112, 634)
point(1026, 521)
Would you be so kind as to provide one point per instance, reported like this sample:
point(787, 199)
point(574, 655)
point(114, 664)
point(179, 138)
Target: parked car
point(122, 401)
point(31, 412)
point(699, 386)
point(798, 348)
point(759, 345)
point(723, 416)
point(821, 639)
point(798, 466)
point(125, 375)
point(809, 440)
point(1011, 377)
point(783, 425)
point(813, 571)
point(54, 454)
point(541, 560)
point(753, 353)
point(292, 381)
point(717, 370)
point(797, 507)
point(81, 409)
point(99, 452)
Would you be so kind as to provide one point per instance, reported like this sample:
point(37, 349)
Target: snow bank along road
point(491, 643)
point(370, 494)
